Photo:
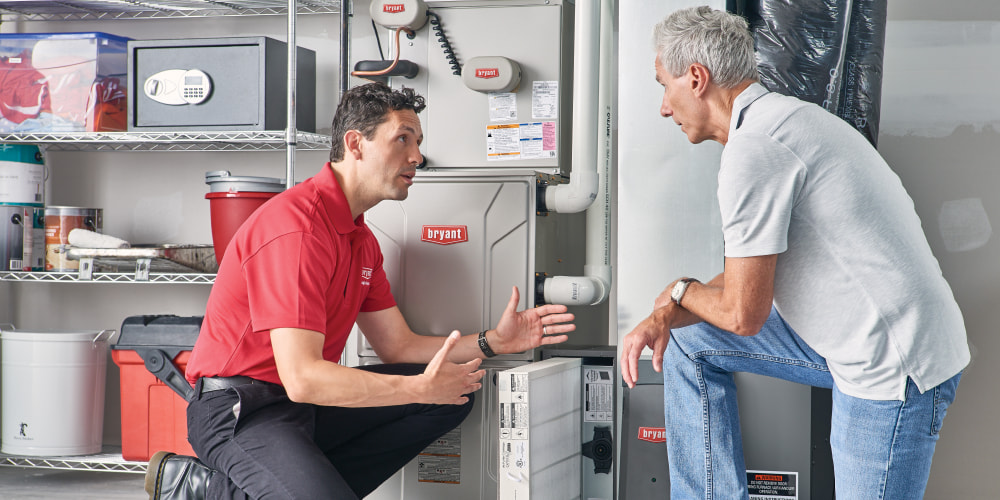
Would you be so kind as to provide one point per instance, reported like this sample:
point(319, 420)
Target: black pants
point(275, 448)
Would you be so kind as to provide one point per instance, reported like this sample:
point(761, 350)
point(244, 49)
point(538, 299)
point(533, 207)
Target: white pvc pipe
point(599, 221)
point(581, 191)
point(591, 157)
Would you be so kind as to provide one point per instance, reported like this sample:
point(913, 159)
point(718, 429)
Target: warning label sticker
point(521, 141)
point(439, 469)
point(441, 461)
point(768, 485)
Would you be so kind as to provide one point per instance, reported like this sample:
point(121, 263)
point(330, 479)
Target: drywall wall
point(669, 226)
point(940, 132)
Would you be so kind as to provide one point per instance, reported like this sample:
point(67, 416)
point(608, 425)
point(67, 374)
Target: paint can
point(22, 238)
point(22, 175)
point(59, 221)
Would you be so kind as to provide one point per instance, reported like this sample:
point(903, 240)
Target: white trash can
point(52, 392)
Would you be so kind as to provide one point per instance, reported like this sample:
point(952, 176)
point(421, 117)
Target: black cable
point(377, 40)
point(449, 54)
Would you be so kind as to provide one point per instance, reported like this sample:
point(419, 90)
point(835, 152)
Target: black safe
point(232, 83)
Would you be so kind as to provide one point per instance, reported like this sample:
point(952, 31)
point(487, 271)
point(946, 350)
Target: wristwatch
point(677, 292)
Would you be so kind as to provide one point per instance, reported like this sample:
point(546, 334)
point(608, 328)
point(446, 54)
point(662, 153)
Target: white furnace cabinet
point(452, 251)
point(469, 230)
point(455, 248)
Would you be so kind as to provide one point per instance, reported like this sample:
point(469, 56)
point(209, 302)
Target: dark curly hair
point(365, 107)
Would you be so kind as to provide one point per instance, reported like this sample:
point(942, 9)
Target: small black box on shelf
point(231, 83)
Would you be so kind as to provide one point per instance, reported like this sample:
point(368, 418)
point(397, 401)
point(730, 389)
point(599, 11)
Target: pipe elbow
point(576, 196)
point(575, 290)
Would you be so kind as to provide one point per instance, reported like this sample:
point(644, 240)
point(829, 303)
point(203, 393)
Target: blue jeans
point(881, 449)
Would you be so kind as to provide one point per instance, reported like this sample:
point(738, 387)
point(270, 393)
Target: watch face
point(678, 290)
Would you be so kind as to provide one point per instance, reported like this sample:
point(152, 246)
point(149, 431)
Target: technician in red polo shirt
point(275, 415)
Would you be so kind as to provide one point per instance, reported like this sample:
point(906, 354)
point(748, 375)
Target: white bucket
point(53, 392)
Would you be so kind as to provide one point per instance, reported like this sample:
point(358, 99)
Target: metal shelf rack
point(289, 140)
point(109, 460)
point(108, 10)
point(169, 141)
point(97, 277)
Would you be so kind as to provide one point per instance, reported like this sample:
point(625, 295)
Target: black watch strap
point(485, 346)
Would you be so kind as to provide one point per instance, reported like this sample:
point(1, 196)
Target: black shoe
point(176, 477)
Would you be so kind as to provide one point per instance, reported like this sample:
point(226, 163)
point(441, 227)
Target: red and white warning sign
point(769, 485)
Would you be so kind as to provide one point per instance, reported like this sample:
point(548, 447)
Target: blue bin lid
point(63, 36)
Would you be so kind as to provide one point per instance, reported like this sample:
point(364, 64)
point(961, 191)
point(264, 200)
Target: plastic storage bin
point(154, 415)
point(63, 82)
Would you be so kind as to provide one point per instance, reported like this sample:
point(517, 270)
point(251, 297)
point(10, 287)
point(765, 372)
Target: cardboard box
point(63, 82)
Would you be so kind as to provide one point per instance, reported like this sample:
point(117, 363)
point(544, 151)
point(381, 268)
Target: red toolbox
point(152, 353)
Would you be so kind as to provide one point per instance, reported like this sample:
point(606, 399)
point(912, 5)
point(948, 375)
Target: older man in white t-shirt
point(829, 281)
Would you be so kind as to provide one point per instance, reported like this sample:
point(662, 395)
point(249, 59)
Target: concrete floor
point(27, 483)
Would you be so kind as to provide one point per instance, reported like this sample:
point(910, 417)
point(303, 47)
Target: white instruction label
point(599, 393)
point(503, 106)
point(514, 406)
point(545, 100)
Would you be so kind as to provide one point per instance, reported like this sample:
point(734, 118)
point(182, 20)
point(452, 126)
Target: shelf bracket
point(86, 269)
point(142, 269)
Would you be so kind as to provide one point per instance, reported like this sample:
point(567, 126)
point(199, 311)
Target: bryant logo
point(393, 8)
point(366, 276)
point(444, 235)
point(487, 72)
point(653, 434)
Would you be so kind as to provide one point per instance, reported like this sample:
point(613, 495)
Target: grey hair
point(720, 41)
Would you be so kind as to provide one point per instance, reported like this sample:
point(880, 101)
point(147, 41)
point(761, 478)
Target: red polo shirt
point(299, 261)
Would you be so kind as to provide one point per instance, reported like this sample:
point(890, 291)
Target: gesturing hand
point(520, 331)
point(447, 382)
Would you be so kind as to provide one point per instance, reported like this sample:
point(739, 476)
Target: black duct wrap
point(828, 52)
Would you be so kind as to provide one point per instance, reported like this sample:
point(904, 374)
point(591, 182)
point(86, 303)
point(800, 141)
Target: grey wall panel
point(941, 135)
point(669, 226)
